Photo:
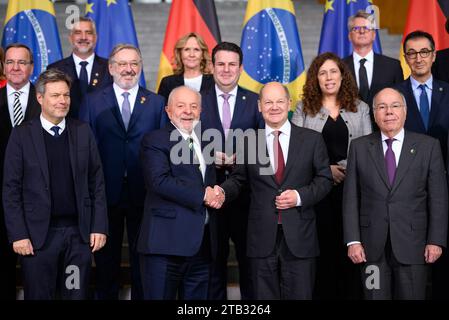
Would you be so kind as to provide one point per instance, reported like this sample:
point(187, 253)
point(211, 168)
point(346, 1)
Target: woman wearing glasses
point(330, 105)
point(191, 60)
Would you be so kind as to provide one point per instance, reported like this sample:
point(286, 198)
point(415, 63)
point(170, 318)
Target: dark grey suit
point(398, 220)
point(307, 171)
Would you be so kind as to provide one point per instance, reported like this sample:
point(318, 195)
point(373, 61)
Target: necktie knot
point(83, 64)
point(422, 87)
point(17, 94)
point(55, 129)
point(362, 61)
point(389, 142)
point(225, 96)
point(125, 95)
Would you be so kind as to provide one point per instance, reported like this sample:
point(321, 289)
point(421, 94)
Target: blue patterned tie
point(55, 129)
point(424, 105)
point(126, 109)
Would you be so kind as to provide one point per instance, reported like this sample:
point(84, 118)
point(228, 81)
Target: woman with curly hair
point(330, 105)
point(192, 66)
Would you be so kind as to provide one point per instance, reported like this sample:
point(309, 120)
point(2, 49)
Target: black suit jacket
point(173, 81)
point(439, 112)
point(440, 68)
point(26, 183)
point(413, 211)
point(99, 78)
point(307, 171)
point(386, 72)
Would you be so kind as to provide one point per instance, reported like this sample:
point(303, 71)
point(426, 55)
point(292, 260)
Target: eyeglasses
point(359, 29)
point(21, 63)
point(124, 64)
point(424, 53)
point(383, 107)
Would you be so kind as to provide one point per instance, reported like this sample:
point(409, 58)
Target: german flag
point(188, 16)
point(429, 16)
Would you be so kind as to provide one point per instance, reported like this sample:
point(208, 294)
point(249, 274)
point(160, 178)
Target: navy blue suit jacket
point(99, 78)
point(174, 214)
point(119, 148)
point(26, 183)
point(439, 112)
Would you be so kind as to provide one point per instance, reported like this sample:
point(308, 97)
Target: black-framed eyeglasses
point(424, 53)
point(359, 29)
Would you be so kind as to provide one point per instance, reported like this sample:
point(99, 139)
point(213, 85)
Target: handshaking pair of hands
point(215, 197)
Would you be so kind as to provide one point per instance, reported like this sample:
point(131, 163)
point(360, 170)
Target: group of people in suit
point(357, 177)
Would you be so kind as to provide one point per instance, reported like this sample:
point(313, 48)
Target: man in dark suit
point(289, 176)
point(54, 197)
point(371, 71)
point(120, 115)
point(395, 204)
point(440, 68)
point(176, 240)
point(88, 71)
point(17, 103)
point(226, 106)
point(427, 113)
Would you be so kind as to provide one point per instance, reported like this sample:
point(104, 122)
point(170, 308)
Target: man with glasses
point(17, 103)
point(371, 71)
point(395, 204)
point(88, 71)
point(120, 114)
point(428, 104)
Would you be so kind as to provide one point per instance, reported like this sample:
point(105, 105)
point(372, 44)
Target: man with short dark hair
point(17, 103)
point(54, 197)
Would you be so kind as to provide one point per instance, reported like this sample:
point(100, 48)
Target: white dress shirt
point(47, 125)
point(90, 64)
point(23, 100)
point(232, 99)
point(132, 96)
point(284, 140)
point(369, 65)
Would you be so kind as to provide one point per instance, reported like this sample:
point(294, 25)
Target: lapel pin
point(94, 82)
point(412, 151)
point(96, 74)
point(244, 98)
point(142, 100)
point(441, 89)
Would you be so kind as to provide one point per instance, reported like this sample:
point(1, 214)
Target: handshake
point(215, 197)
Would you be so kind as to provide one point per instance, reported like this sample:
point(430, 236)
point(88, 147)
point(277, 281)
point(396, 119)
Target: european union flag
point(334, 32)
point(271, 47)
point(33, 23)
point(115, 24)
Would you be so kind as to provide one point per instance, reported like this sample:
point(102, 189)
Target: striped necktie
point(17, 109)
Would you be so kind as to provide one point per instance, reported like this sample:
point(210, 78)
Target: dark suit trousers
point(396, 281)
point(281, 275)
point(232, 222)
point(8, 261)
point(108, 260)
point(52, 271)
point(166, 277)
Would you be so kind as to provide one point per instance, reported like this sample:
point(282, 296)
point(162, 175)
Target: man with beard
point(87, 70)
point(120, 115)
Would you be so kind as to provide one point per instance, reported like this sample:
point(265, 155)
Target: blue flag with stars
point(33, 23)
point(115, 24)
point(334, 32)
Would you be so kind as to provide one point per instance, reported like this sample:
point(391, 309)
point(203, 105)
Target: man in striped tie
point(17, 103)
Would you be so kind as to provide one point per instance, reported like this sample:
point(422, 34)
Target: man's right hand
point(23, 247)
point(356, 253)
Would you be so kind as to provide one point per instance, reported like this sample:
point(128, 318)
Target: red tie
point(279, 163)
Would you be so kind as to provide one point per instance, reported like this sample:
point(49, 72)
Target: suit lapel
point(37, 137)
point(412, 106)
point(266, 169)
point(377, 155)
point(437, 95)
point(5, 118)
point(294, 149)
point(408, 154)
point(239, 108)
point(141, 100)
point(375, 79)
point(73, 152)
point(33, 106)
point(111, 100)
point(213, 111)
point(96, 75)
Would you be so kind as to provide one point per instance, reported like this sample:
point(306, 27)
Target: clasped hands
point(215, 197)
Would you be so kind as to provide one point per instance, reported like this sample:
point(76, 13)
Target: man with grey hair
point(395, 204)
point(120, 114)
point(54, 196)
point(87, 70)
point(371, 71)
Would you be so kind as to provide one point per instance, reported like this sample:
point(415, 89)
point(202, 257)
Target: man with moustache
point(87, 70)
point(120, 114)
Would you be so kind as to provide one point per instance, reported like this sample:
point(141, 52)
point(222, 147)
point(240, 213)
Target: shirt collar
point(369, 57)
point(286, 128)
point(132, 91)
point(233, 92)
point(77, 59)
point(398, 137)
point(25, 89)
point(47, 125)
point(415, 83)
point(185, 135)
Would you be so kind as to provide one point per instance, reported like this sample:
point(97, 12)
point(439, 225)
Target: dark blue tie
point(84, 82)
point(424, 105)
point(55, 129)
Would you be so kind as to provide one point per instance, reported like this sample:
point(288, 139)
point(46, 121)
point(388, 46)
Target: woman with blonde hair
point(192, 61)
point(331, 106)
